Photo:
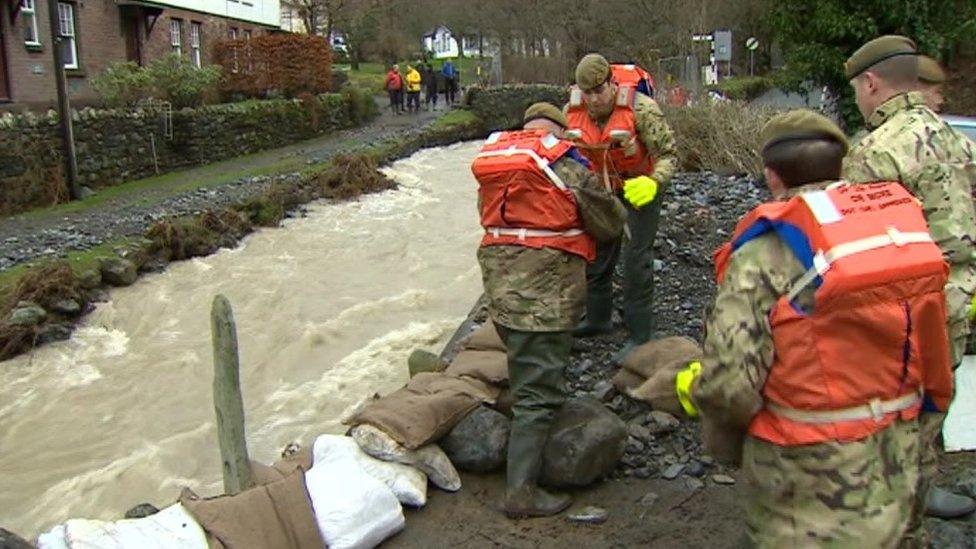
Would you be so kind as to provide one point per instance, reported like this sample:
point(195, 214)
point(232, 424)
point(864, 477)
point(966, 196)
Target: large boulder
point(479, 442)
point(118, 271)
point(10, 540)
point(585, 444)
point(27, 313)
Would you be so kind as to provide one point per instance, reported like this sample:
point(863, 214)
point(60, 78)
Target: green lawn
point(372, 75)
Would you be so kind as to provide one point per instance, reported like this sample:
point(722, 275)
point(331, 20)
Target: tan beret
point(545, 110)
point(800, 124)
point(876, 51)
point(930, 71)
point(592, 70)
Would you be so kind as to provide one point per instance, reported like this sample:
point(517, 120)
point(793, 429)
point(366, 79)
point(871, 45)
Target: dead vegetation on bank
point(719, 137)
point(50, 284)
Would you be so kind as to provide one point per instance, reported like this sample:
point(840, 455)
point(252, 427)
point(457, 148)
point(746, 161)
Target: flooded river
point(328, 307)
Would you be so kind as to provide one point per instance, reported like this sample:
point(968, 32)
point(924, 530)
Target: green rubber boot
point(639, 326)
point(523, 497)
point(599, 315)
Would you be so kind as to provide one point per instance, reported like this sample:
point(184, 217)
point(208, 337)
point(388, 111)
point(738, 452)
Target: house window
point(176, 36)
point(195, 56)
point(29, 13)
point(247, 35)
point(247, 49)
point(66, 27)
point(232, 34)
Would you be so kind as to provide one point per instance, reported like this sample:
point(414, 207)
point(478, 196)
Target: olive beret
point(800, 124)
point(592, 70)
point(930, 71)
point(545, 110)
point(876, 51)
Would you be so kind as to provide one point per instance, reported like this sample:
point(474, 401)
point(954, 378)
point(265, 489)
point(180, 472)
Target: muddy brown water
point(328, 308)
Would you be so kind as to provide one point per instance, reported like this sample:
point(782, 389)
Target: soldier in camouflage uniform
point(593, 77)
point(910, 143)
point(835, 493)
point(535, 296)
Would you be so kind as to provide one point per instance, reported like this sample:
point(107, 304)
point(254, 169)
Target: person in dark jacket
point(429, 79)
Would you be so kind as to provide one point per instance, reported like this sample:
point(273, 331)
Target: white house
point(442, 44)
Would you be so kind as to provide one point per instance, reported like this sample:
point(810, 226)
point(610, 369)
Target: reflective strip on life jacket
point(523, 233)
point(875, 409)
point(823, 260)
point(541, 162)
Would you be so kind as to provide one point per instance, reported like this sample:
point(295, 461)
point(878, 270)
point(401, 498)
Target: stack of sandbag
point(648, 372)
point(332, 495)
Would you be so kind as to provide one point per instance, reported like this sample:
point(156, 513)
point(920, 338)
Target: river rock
point(10, 540)
point(585, 443)
point(662, 422)
point(53, 331)
point(424, 361)
point(479, 442)
point(90, 279)
point(67, 307)
point(589, 515)
point(673, 471)
point(27, 313)
point(141, 511)
point(943, 533)
point(118, 272)
point(723, 479)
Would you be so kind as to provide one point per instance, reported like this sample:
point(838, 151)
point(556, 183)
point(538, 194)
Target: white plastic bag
point(353, 510)
point(409, 485)
point(171, 527)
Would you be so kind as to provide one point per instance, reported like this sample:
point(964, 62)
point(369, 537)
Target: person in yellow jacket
point(413, 89)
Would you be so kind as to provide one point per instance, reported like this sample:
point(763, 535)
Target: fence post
point(227, 399)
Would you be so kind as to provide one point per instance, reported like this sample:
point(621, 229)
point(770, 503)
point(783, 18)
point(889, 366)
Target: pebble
point(723, 479)
point(695, 469)
point(589, 515)
point(649, 499)
point(694, 483)
point(673, 471)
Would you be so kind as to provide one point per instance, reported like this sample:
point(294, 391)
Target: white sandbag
point(409, 485)
point(429, 459)
point(171, 527)
point(353, 510)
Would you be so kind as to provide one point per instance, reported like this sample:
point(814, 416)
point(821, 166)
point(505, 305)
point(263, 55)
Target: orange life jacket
point(523, 201)
point(626, 156)
point(876, 337)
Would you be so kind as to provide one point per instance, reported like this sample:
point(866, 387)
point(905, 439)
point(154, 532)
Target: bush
point(285, 64)
point(744, 88)
point(180, 83)
point(719, 137)
point(122, 84)
point(360, 104)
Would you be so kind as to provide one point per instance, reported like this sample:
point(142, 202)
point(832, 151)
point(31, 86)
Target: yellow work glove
point(972, 309)
point(682, 385)
point(640, 191)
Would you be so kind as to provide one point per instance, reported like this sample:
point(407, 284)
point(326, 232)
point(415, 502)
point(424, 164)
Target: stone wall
point(116, 145)
point(502, 108)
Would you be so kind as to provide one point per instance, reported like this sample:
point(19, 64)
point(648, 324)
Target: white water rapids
point(327, 307)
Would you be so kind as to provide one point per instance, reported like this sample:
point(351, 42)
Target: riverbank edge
point(43, 301)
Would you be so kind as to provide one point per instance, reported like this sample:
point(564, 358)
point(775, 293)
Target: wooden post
point(64, 106)
point(227, 399)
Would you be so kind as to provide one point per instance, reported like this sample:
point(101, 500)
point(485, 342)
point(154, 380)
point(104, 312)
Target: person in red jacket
point(394, 88)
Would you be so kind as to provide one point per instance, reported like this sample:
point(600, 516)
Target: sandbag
point(408, 484)
point(278, 514)
point(266, 474)
point(171, 527)
point(428, 407)
point(647, 359)
point(429, 459)
point(352, 509)
point(484, 338)
point(490, 366)
point(625, 380)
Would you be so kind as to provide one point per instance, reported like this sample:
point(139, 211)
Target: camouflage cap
point(876, 51)
point(545, 110)
point(592, 70)
point(930, 71)
point(800, 124)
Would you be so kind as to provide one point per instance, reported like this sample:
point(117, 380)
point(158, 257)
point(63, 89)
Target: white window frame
point(176, 35)
point(232, 34)
point(28, 10)
point(67, 30)
point(196, 55)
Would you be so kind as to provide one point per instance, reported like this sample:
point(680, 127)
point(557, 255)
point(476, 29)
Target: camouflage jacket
point(543, 290)
point(910, 143)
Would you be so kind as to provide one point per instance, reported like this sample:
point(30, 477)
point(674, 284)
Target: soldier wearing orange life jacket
point(622, 131)
point(544, 212)
point(826, 340)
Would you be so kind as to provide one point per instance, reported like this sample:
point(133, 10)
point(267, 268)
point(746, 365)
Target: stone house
point(97, 33)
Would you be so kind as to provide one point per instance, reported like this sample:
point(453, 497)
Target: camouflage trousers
point(852, 494)
point(930, 427)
